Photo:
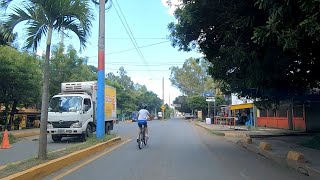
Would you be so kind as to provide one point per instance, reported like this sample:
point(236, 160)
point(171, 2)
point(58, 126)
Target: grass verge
point(313, 142)
point(19, 166)
point(12, 139)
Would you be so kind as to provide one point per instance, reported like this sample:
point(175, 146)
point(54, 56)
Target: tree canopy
point(192, 78)
point(263, 49)
point(182, 100)
point(68, 67)
point(20, 78)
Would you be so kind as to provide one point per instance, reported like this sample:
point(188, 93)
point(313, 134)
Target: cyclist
point(143, 115)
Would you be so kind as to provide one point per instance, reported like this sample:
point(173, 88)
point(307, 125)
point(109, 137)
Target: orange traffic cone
point(5, 141)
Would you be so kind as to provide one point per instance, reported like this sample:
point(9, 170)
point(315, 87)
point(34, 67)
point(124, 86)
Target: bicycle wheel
point(140, 141)
point(145, 139)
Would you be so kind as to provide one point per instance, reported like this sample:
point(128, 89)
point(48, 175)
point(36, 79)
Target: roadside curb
point(217, 133)
point(303, 168)
point(39, 171)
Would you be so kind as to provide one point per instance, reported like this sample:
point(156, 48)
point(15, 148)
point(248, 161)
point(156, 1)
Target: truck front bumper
point(67, 131)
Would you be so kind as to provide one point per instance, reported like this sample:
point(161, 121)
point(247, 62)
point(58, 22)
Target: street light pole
point(101, 72)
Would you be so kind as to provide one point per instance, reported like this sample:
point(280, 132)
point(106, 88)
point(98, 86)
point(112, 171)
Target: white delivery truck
point(73, 111)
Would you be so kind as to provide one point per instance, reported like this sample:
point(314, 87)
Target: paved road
point(178, 150)
point(28, 147)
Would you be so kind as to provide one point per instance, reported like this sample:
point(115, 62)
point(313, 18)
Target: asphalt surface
point(179, 150)
point(28, 147)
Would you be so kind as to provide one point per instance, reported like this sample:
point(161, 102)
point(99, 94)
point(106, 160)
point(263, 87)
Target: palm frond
point(35, 32)
point(39, 15)
point(6, 34)
point(76, 16)
point(4, 4)
point(76, 28)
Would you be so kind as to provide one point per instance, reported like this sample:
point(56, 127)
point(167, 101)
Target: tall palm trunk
point(42, 154)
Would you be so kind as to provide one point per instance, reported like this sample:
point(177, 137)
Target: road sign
point(208, 94)
point(163, 107)
point(210, 99)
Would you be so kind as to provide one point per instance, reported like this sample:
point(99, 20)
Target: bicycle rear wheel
point(140, 140)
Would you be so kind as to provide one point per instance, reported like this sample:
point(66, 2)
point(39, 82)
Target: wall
point(312, 112)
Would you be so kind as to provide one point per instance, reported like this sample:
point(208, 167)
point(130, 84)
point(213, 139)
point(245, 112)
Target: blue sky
point(148, 20)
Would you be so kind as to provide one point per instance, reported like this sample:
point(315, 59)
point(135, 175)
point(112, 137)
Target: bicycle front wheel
point(145, 140)
point(140, 141)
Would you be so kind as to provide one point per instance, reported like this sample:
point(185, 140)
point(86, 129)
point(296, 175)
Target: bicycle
point(142, 138)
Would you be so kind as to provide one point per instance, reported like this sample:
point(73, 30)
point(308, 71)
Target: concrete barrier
point(248, 140)
point(295, 156)
point(265, 146)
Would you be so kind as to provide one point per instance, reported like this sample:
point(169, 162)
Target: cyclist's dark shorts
point(142, 122)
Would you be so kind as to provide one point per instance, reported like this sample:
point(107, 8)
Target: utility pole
point(208, 109)
point(163, 97)
point(101, 72)
point(214, 102)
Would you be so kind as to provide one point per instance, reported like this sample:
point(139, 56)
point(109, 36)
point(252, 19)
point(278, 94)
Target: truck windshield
point(65, 104)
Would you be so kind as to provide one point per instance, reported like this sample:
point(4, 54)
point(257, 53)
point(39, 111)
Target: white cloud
point(172, 5)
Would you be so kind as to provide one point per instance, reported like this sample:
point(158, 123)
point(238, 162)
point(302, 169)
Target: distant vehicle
point(159, 114)
point(73, 111)
point(134, 116)
point(188, 116)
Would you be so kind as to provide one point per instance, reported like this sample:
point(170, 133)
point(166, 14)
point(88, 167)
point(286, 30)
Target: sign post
point(163, 107)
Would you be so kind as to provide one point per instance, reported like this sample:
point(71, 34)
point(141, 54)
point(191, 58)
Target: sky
point(148, 21)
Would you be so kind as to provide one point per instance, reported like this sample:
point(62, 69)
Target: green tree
point(20, 77)
point(126, 99)
point(150, 98)
point(197, 103)
point(43, 17)
point(192, 78)
point(182, 101)
point(124, 79)
point(260, 49)
point(68, 67)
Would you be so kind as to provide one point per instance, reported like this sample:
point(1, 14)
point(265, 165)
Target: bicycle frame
point(142, 137)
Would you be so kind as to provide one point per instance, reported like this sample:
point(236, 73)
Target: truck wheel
point(56, 138)
point(89, 130)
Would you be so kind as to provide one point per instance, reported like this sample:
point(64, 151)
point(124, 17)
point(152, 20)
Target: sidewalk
point(281, 141)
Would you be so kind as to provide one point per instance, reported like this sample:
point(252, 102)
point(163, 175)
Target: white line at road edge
point(89, 161)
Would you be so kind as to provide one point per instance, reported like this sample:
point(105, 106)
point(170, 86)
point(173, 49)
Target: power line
point(135, 38)
point(129, 32)
point(144, 64)
point(140, 70)
point(117, 52)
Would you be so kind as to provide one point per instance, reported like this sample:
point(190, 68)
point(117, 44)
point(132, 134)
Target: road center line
point(89, 160)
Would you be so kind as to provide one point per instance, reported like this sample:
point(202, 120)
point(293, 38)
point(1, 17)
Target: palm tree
point(42, 17)
point(6, 38)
